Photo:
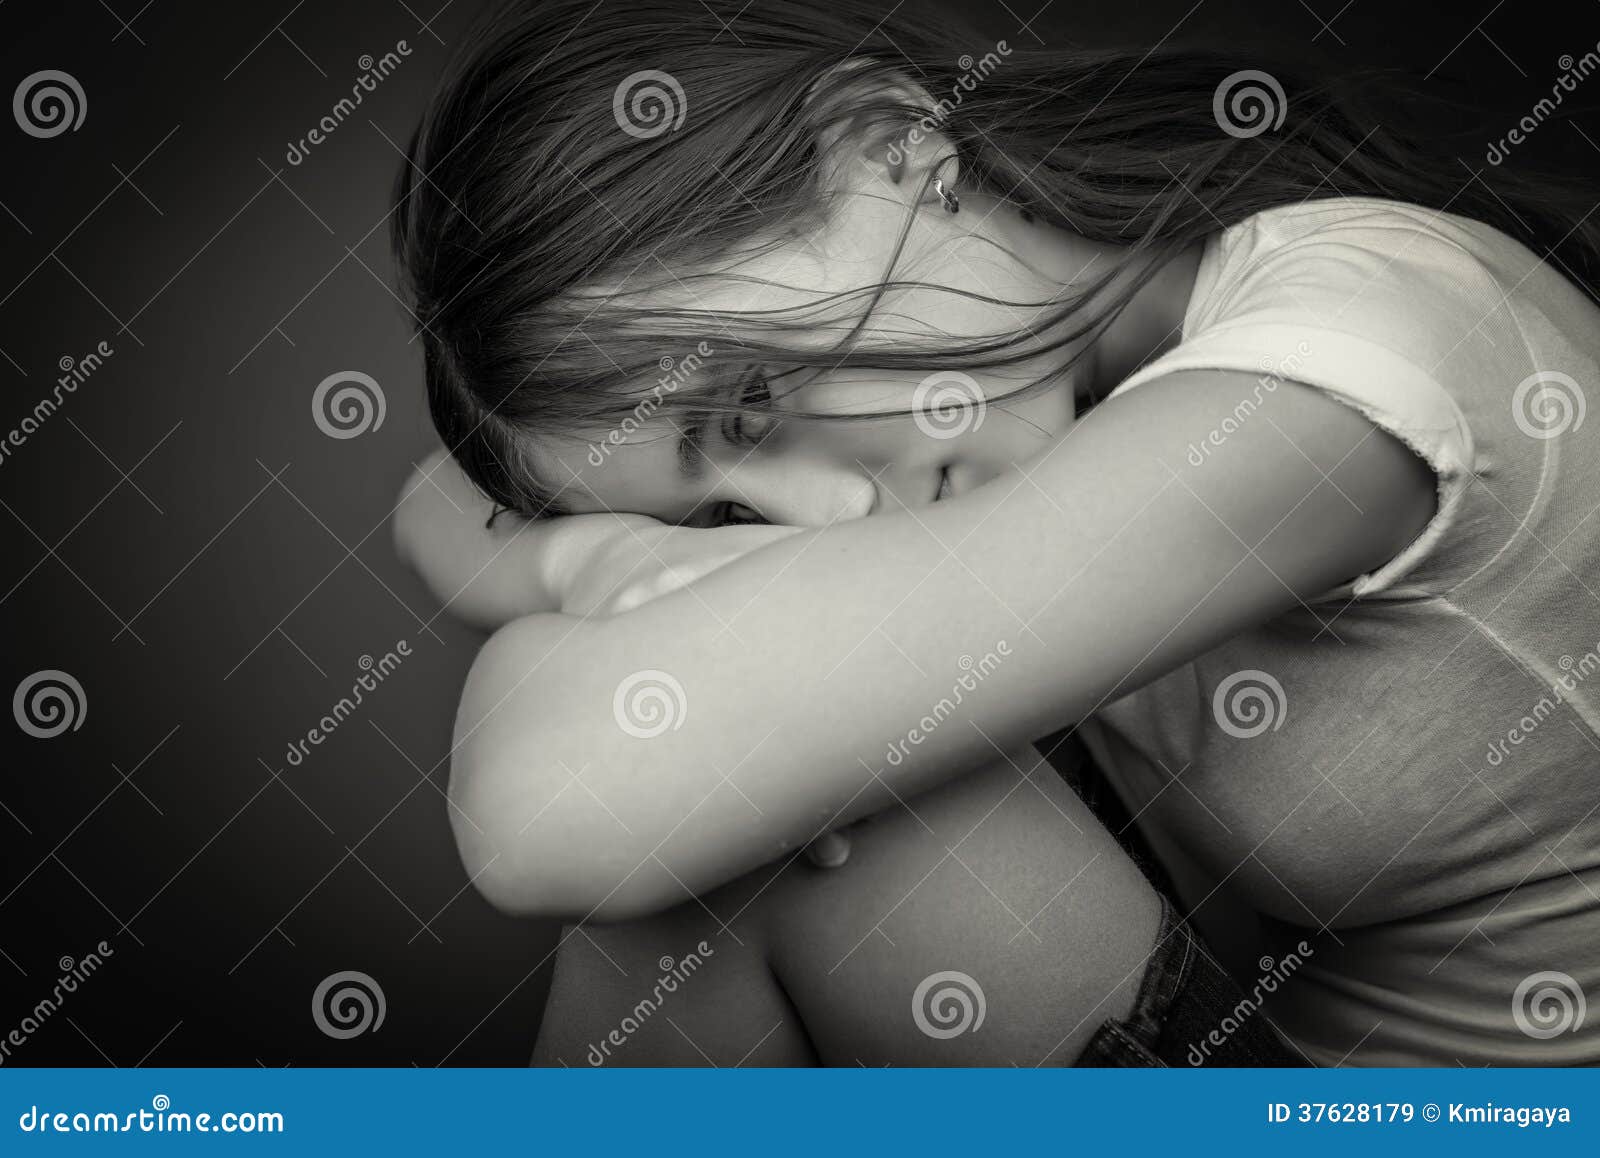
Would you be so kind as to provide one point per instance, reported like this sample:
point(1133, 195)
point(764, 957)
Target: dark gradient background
point(184, 540)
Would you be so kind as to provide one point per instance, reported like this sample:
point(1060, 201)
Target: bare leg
point(1002, 880)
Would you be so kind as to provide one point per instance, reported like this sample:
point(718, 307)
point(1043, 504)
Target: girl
point(838, 402)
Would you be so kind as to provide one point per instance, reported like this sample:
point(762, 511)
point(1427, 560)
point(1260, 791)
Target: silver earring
point(952, 203)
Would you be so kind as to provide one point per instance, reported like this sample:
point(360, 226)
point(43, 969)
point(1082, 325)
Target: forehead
point(631, 467)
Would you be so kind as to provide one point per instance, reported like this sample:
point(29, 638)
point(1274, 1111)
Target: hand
point(830, 850)
point(484, 575)
point(596, 564)
point(609, 570)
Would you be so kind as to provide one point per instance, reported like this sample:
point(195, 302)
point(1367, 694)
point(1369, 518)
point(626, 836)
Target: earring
point(952, 203)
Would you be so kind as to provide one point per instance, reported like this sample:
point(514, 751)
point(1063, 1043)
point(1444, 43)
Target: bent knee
point(997, 902)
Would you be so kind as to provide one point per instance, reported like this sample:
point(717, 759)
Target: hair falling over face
point(532, 196)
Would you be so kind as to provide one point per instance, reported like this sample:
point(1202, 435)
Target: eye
point(734, 514)
point(751, 427)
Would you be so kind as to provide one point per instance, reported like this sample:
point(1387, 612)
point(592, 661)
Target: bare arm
point(1103, 563)
point(485, 576)
point(598, 564)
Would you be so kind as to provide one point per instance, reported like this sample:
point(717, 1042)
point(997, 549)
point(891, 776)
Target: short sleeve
point(1366, 309)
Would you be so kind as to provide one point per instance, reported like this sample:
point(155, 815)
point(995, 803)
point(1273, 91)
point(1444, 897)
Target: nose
point(801, 490)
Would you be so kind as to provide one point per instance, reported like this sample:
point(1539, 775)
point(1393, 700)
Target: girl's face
point(957, 430)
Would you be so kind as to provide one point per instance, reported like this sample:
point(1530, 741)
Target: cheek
point(1013, 431)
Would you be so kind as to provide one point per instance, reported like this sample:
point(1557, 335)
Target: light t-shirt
point(1406, 772)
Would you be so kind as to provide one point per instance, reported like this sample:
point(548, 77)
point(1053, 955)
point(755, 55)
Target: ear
point(881, 133)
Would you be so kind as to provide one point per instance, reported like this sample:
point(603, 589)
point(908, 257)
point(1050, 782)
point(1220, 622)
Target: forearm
point(589, 564)
point(484, 576)
point(798, 665)
point(802, 663)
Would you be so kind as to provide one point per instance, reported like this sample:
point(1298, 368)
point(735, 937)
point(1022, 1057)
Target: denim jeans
point(1187, 1013)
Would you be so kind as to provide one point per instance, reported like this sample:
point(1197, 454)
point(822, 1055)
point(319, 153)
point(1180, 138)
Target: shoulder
point(1282, 465)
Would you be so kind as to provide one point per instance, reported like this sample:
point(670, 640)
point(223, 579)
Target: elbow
point(532, 840)
point(524, 872)
point(525, 887)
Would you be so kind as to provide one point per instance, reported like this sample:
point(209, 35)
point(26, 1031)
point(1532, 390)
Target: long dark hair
point(573, 144)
